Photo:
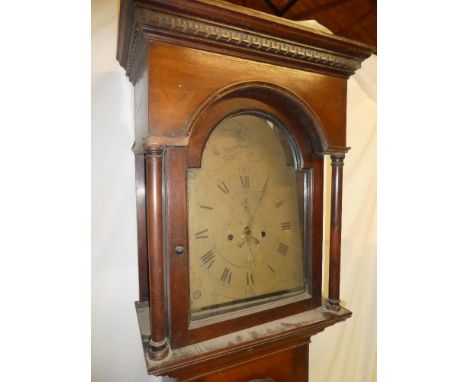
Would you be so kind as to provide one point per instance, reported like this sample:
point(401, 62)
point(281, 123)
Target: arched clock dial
point(246, 217)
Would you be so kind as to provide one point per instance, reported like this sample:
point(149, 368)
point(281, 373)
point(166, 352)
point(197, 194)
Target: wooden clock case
point(193, 63)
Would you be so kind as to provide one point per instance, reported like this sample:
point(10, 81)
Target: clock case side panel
point(304, 128)
point(141, 130)
point(140, 185)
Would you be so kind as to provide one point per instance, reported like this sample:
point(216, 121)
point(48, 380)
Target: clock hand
point(251, 257)
point(248, 235)
point(254, 239)
point(246, 240)
point(262, 191)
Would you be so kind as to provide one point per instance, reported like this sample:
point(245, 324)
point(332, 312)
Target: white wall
point(345, 352)
point(117, 354)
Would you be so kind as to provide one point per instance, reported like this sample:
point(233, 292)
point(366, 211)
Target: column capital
point(336, 151)
point(337, 159)
point(154, 150)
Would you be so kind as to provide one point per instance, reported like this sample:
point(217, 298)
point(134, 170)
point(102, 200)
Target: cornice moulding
point(147, 21)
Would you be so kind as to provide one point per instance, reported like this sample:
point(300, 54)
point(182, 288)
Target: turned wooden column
point(158, 345)
point(335, 232)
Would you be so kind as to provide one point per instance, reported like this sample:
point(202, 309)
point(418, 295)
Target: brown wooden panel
point(172, 99)
point(301, 364)
point(278, 366)
point(176, 223)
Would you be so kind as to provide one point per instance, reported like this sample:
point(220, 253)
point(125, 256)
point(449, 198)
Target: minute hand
point(263, 191)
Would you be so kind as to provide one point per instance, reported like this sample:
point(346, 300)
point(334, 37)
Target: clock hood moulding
point(214, 26)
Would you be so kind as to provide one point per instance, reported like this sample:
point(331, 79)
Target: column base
point(157, 351)
point(333, 305)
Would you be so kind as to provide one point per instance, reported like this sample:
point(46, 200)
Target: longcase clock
point(234, 113)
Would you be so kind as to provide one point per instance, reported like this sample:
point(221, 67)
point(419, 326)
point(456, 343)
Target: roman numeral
point(283, 249)
point(245, 181)
point(226, 276)
point(222, 186)
point(285, 226)
point(202, 234)
point(249, 279)
point(270, 268)
point(206, 207)
point(279, 204)
point(208, 259)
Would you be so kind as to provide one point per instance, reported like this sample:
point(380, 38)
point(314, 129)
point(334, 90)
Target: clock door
point(248, 186)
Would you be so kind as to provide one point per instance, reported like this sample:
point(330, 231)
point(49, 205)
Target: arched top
point(279, 104)
point(251, 136)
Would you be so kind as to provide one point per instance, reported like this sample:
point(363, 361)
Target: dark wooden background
point(354, 19)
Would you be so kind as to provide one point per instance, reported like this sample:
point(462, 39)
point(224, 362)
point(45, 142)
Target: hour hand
point(241, 243)
point(254, 239)
point(251, 238)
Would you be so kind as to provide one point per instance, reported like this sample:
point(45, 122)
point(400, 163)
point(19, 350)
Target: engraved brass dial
point(246, 217)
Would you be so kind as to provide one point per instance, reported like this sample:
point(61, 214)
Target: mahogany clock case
point(193, 64)
point(244, 98)
point(257, 87)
